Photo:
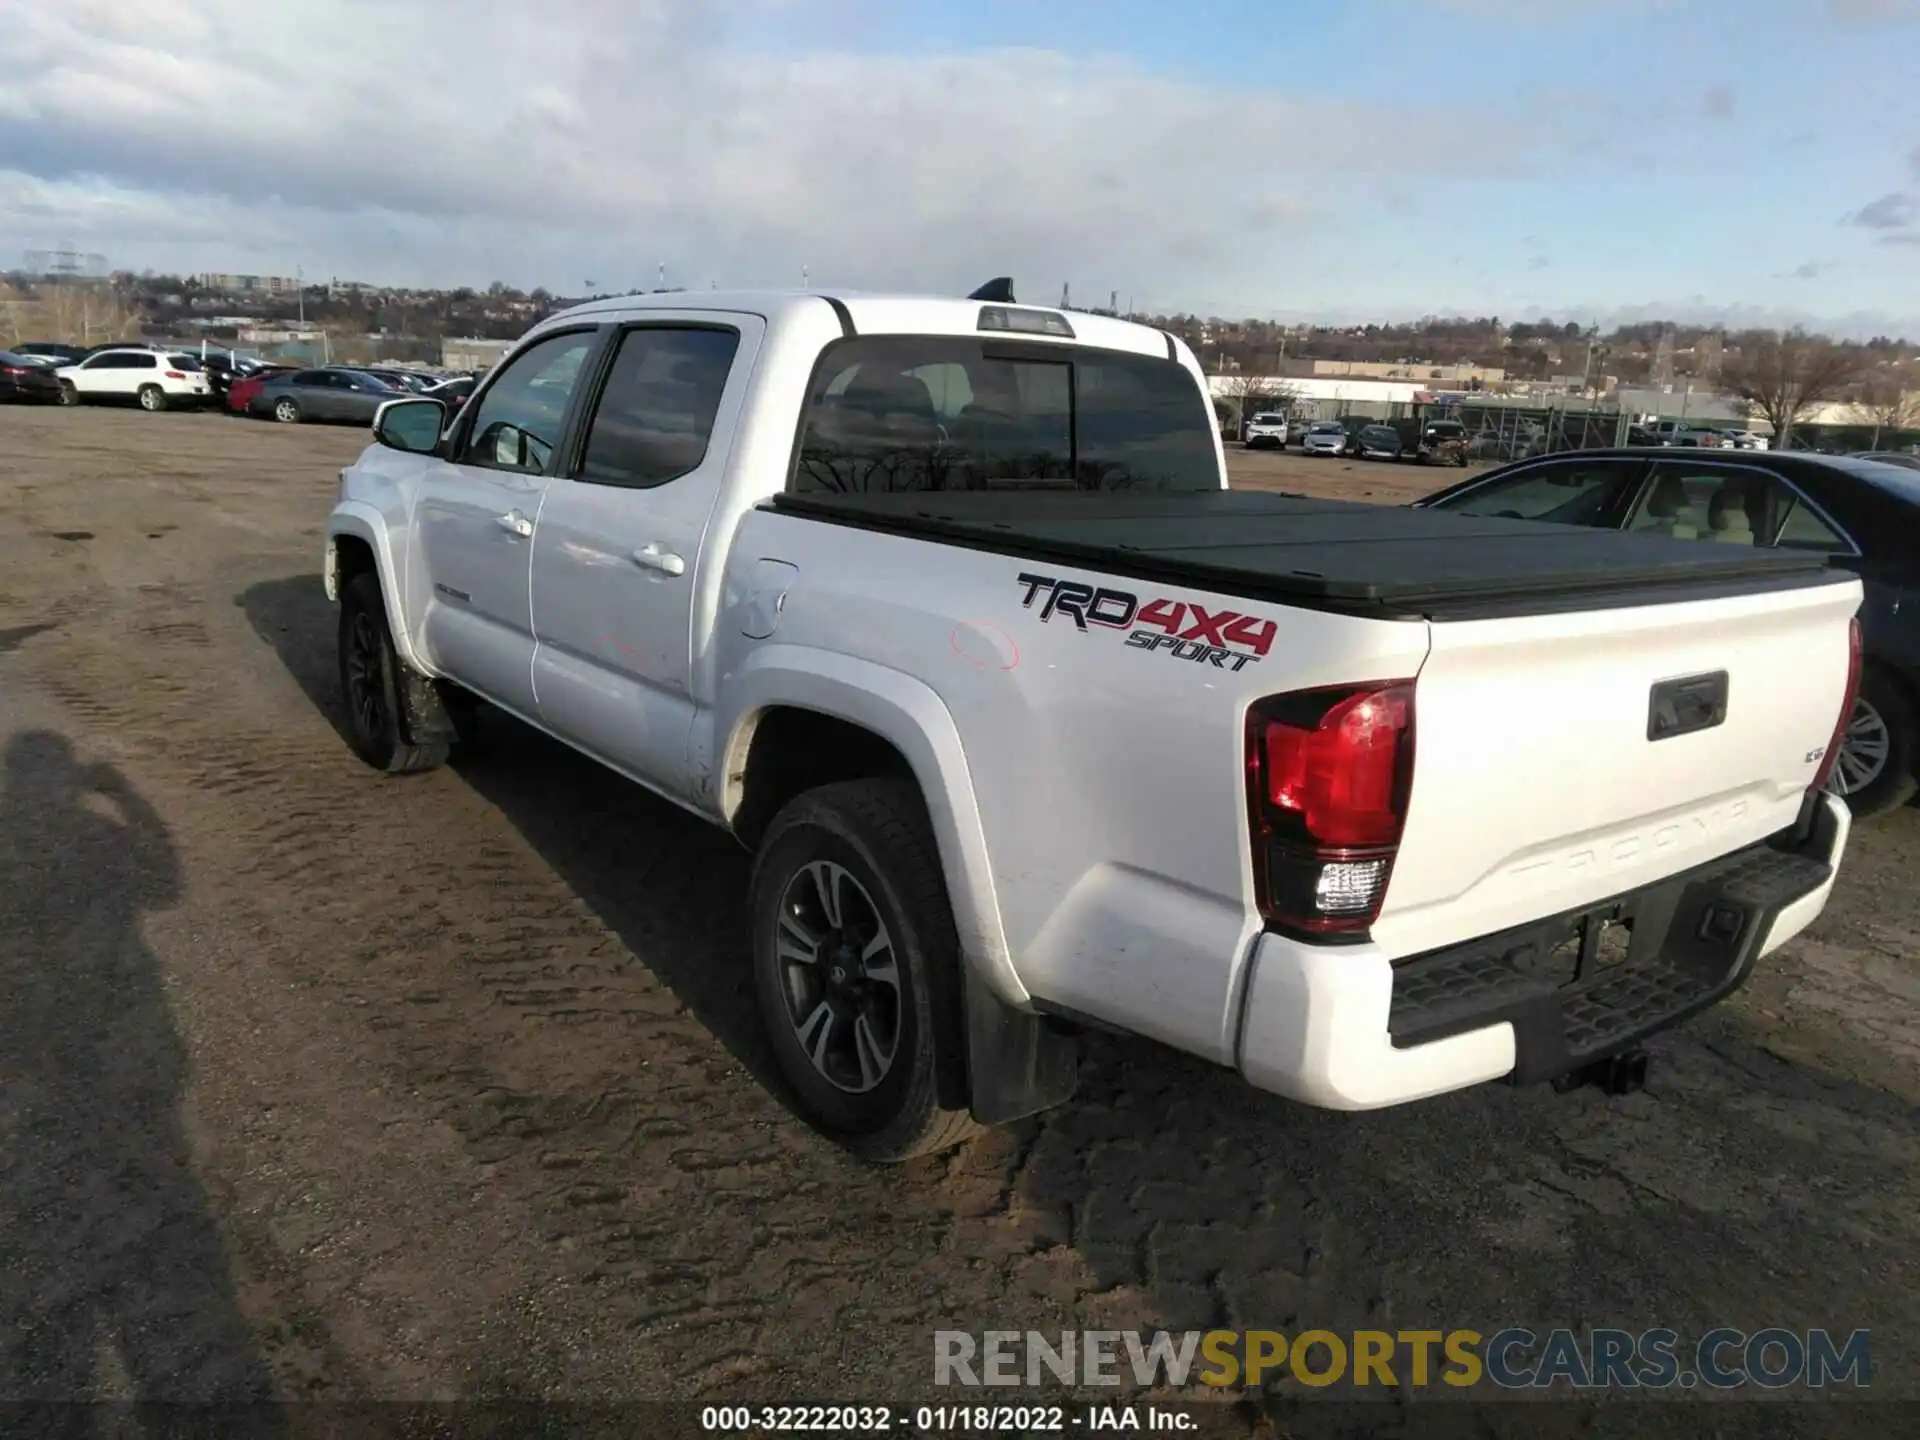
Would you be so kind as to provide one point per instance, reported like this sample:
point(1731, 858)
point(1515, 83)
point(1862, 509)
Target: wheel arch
point(797, 713)
point(358, 540)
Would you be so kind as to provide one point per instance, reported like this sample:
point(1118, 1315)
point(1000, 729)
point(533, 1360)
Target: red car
point(240, 394)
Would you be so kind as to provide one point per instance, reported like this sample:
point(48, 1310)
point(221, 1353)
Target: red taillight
point(1825, 772)
point(1329, 773)
point(175, 375)
point(15, 369)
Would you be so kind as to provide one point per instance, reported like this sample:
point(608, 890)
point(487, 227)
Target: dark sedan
point(28, 377)
point(1863, 514)
point(1377, 442)
point(326, 394)
point(452, 393)
point(49, 350)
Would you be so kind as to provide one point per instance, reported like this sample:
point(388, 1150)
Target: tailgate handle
point(1680, 707)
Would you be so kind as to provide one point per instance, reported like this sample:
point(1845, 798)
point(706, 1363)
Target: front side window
point(916, 413)
point(1577, 493)
point(655, 415)
point(517, 424)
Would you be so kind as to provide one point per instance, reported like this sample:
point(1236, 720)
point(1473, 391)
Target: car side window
point(142, 362)
point(655, 415)
point(1576, 492)
point(1731, 505)
point(517, 423)
point(1803, 529)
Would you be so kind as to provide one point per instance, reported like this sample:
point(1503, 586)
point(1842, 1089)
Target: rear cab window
point(917, 413)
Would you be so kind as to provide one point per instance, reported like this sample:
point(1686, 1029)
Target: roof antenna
point(998, 291)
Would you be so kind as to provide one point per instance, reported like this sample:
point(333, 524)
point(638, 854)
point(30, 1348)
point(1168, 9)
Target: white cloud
point(528, 142)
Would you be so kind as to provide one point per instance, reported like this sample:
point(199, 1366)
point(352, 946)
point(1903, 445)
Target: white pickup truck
point(945, 609)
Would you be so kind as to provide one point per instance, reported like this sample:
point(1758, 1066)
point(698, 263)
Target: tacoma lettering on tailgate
point(1223, 638)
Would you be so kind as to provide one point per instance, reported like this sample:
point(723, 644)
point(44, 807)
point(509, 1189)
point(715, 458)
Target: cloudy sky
point(1295, 158)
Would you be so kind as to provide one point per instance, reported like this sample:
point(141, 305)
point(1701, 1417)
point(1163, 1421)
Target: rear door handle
point(514, 523)
point(665, 561)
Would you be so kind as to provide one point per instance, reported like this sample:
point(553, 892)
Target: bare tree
point(15, 310)
point(1250, 395)
point(70, 314)
point(1893, 407)
point(1785, 375)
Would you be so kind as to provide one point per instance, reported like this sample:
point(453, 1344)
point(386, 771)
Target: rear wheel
point(857, 968)
point(287, 412)
point(152, 399)
point(1875, 770)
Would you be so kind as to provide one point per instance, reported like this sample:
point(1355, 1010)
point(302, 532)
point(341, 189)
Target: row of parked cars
point(160, 377)
point(1449, 442)
point(1437, 442)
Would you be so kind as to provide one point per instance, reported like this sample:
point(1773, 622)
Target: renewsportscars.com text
point(1512, 1358)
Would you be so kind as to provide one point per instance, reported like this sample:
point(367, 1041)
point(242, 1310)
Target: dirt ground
point(332, 1086)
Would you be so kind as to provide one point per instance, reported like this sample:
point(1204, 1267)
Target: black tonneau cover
point(1327, 554)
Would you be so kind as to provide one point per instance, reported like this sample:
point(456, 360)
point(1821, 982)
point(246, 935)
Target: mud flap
point(424, 717)
point(1018, 1063)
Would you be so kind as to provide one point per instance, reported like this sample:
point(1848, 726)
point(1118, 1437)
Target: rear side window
point(915, 413)
point(656, 411)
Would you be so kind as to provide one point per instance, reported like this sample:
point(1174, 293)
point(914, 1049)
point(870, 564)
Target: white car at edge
point(152, 379)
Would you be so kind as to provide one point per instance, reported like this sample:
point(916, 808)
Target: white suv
point(155, 379)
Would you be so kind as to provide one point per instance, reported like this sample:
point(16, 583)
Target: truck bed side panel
point(1109, 776)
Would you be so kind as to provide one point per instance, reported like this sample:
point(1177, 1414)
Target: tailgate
point(1536, 787)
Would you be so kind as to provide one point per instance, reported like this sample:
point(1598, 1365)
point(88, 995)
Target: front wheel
point(370, 676)
point(69, 393)
point(856, 965)
point(1875, 770)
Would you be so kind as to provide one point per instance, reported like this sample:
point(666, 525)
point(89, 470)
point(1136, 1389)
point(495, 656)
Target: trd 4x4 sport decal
point(1224, 638)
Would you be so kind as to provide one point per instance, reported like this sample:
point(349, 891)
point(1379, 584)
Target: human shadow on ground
point(114, 1282)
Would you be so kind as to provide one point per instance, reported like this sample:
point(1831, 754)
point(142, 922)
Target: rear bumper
point(1346, 1028)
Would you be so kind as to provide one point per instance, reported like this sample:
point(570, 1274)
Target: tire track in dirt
point(708, 1224)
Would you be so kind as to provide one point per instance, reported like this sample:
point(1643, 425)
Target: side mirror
point(410, 425)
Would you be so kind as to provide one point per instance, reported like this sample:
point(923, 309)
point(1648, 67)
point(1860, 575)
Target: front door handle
point(665, 561)
point(514, 523)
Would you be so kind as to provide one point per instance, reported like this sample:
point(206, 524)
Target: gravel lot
point(341, 1087)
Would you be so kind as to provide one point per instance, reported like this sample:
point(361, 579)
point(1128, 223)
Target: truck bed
point(1375, 560)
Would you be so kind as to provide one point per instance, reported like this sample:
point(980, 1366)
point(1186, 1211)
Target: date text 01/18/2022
point(1223, 638)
